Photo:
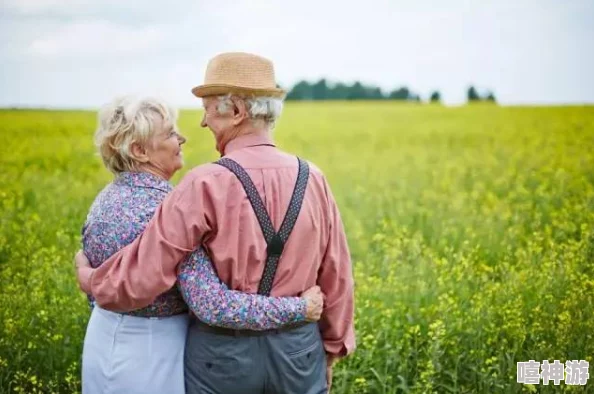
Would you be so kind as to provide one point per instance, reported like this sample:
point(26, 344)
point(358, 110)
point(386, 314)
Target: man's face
point(219, 124)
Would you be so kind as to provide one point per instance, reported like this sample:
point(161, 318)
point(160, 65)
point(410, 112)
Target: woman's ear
point(139, 153)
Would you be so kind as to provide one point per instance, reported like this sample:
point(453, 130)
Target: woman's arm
point(213, 303)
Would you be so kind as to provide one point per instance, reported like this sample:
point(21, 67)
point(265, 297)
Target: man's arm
point(134, 276)
point(336, 280)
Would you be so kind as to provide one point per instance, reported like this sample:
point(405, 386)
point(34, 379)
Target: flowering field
point(471, 231)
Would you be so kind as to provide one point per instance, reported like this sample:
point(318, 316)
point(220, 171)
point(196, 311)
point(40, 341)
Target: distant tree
point(400, 94)
point(404, 94)
point(435, 97)
point(356, 92)
point(340, 91)
point(472, 94)
point(375, 93)
point(491, 97)
point(301, 91)
point(320, 90)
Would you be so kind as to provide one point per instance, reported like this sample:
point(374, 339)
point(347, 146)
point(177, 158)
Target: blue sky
point(66, 53)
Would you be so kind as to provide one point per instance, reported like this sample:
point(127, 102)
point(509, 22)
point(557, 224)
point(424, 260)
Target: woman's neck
point(154, 171)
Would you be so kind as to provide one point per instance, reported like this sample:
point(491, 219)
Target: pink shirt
point(210, 207)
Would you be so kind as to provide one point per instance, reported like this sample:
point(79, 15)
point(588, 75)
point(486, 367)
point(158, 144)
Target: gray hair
point(267, 109)
point(124, 121)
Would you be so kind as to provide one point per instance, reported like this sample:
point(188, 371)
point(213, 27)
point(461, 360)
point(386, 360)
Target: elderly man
point(270, 224)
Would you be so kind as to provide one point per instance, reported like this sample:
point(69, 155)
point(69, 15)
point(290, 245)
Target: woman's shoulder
point(125, 202)
point(117, 216)
point(112, 201)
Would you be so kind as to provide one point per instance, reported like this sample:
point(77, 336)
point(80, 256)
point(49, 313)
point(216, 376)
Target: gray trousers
point(287, 362)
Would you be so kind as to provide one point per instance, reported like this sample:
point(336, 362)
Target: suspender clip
point(275, 246)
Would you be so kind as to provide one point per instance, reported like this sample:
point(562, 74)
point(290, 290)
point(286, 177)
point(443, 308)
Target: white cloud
point(85, 51)
point(127, 13)
point(98, 39)
point(33, 6)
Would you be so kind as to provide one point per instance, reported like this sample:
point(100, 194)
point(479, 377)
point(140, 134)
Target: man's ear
point(138, 152)
point(240, 111)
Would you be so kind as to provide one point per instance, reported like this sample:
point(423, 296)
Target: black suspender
point(275, 241)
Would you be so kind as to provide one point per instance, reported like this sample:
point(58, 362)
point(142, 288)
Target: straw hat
point(239, 73)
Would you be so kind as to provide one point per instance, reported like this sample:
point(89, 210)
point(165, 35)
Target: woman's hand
point(315, 303)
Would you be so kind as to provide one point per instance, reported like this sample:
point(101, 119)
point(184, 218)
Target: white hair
point(267, 109)
point(124, 121)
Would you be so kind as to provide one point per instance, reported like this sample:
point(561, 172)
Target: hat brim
point(219, 89)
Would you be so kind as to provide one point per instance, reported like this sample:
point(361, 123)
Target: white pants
point(128, 354)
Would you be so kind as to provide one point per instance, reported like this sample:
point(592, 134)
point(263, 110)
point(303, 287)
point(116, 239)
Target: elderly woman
point(143, 351)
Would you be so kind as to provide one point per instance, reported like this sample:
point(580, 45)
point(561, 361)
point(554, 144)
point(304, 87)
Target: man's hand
point(330, 360)
point(84, 271)
point(80, 260)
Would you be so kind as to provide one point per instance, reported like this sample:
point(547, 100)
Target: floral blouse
point(120, 213)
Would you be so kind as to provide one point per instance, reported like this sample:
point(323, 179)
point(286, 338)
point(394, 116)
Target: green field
point(471, 231)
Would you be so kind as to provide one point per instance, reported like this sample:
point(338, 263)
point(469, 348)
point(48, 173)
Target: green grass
point(471, 231)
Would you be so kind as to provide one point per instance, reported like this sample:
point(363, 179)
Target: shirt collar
point(249, 140)
point(143, 179)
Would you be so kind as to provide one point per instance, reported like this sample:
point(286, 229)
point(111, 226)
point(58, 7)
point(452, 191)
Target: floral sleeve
point(213, 303)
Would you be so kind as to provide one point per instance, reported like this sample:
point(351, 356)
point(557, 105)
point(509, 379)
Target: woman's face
point(164, 150)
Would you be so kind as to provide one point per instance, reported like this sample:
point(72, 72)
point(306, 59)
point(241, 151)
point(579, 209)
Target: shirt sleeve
point(135, 275)
point(335, 278)
point(213, 303)
point(102, 238)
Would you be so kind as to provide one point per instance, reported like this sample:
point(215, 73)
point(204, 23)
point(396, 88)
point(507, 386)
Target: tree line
point(322, 90)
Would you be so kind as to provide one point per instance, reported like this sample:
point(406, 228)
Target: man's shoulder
point(205, 170)
point(205, 173)
point(319, 182)
point(292, 159)
point(315, 173)
point(201, 174)
point(314, 169)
